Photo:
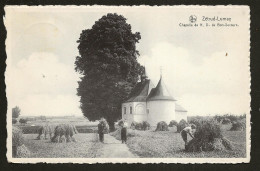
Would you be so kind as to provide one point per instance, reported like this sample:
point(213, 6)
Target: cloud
point(220, 84)
point(40, 84)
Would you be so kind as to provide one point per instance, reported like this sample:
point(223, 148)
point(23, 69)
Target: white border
point(131, 160)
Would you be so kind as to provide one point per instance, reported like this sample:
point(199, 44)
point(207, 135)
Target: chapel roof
point(160, 92)
point(140, 91)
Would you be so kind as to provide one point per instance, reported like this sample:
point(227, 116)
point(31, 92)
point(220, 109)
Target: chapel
point(151, 104)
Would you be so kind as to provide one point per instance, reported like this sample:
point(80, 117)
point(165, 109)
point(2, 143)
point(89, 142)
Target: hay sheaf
point(162, 126)
point(64, 131)
point(218, 144)
point(181, 125)
point(46, 132)
point(208, 137)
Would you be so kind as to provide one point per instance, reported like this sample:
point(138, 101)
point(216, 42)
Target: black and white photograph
point(128, 84)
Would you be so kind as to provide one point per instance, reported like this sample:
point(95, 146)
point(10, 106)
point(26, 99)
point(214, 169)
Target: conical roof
point(140, 91)
point(160, 92)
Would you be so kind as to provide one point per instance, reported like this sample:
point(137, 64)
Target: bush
point(62, 130)
point(17, 137)
point(22, 151)
point(208, 137)
point(23, 121)
point(182, 124)
point(162, 126)
point(18, 149)
point(29, 129)
point(226, 121)
point(238, 126)
point(14, 121)
point(173, 123)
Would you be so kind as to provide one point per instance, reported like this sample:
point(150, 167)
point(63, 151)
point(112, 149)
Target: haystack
point(162, 126)
point(181, 125)
point(64, 133)
point(238, 126)
point(45, 132)
point(173, 123)
point(146, 125)
point(208, 137)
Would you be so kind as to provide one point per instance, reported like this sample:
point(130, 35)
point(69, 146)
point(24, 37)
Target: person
point(124, 133)
point(101, 131)
point(188, 130)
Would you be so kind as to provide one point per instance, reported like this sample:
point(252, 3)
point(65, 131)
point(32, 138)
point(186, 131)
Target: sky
point(205, 68)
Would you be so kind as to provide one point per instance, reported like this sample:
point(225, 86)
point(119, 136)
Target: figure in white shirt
point(188, 130)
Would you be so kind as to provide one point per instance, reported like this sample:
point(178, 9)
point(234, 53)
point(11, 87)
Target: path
point(114, 148)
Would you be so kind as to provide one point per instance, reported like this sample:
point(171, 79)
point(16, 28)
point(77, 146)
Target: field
point(144, 144)
point(148, 144)
point(85, 147)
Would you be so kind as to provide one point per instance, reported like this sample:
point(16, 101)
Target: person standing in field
point(101, 131)
point(124, 132)
point(188, 130)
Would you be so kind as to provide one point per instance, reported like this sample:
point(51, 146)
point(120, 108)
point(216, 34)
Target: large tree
point(108, 62)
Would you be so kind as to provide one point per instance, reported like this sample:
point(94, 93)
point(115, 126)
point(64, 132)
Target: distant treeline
point(219, 118)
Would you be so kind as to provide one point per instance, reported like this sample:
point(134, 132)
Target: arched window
point(124, 110)
point(131, 109)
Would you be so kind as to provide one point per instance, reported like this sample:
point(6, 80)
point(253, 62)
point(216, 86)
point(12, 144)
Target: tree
point(16, 111)
point(23, 121)
point(108, 62)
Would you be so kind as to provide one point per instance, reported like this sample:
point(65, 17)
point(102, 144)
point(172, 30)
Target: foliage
point(23, 151)
point(238, 126)
point(16, 111)
point(181, 125)
point(14, 121)
point(173, 123)
point(162, 126)
point(108, 63)
point(17, 140)
point(23, 121)
point(17, 136)
point(226, 121)
point(232, 118)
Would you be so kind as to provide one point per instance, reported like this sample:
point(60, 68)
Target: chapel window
point(124, 110)
point(131, 110)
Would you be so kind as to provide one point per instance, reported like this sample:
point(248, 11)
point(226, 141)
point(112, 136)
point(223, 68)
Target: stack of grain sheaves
point(209, 137)
point(18, 147)
point(64, 133)
point(46, 131)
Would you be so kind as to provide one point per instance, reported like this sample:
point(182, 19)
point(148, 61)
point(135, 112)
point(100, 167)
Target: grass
point(149, 144)
point(85, 147)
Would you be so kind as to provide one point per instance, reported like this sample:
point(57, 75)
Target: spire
point(161, 72)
